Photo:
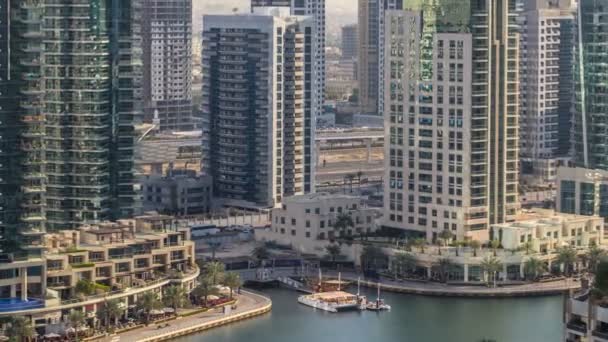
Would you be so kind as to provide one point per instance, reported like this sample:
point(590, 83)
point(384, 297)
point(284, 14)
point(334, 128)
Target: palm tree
point(533, 268)
point(527, 246)
point(147, 302)
point(343, 222)
point(110, 311)
point(19, 329)
point(594, 255)
point(475, 245)
point(215, 270)
point(403, 263)
point(205, 288)
point(333, 251)
point(566, 256)
point(495, 244)
point(175, 297)
point(491, 266)
point(260, 253)
point(359, 174)
point(420, 243)
point(233, 281)
point(443, 267)
point(446, 236)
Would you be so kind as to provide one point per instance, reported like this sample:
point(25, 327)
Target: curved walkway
point(248, 305)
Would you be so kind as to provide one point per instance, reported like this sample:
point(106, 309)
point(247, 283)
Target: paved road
point(245, 302)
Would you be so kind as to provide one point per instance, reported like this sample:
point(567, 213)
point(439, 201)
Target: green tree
point(343, 222)
point(443, 267)
point(491, 267)
point(76, 319)
point(175, 297)
point(215, 270)
point(420, 243)
point(110, 311)
point(446, 236)
point(19, 329)
point(260, 253)
point(233, 281)
point(85, 287)
point(475, 245)
point(593, 256)
point(333, 251)
point(533, 268)
point(147, 302)
point(404, 263)
point(495, 244)
point(566, 256)
point(527, 246)
point(205, 288)
point(600, 287)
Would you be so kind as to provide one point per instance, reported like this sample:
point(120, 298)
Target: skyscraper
point(451, 103)
point(254, 89)
point(547, 53)
point(71, 87)
point(591, 103)
point(167, 56)
point(314, 73)
point(22, 180)
point(371, 53)
point(350, 43)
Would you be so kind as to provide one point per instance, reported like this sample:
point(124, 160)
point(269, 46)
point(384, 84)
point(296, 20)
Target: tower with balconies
point(253, 94)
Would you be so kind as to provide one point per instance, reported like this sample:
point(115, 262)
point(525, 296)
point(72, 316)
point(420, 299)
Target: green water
point(412, 319)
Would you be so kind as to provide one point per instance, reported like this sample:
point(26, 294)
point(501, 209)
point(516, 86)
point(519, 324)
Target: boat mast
point(339, 280)
point(358, 286)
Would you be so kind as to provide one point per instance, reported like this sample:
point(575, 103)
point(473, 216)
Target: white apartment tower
point(451, 118)
point(314, 71)
point(167, 47)
point(547, 88)
point(253, 94)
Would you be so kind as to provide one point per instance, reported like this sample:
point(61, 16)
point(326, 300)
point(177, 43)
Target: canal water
point(412, 319)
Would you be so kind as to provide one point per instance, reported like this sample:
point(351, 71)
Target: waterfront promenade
point(248, 305)
point(480, 291)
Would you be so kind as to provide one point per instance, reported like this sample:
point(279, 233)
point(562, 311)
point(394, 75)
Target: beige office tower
point(451, 117)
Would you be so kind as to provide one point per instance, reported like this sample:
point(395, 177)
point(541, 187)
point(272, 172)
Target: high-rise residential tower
point(22, 179)
point(70, 94)
point(314, 73)
point(547, 57)
point(92, 99)
point(591, 102)
point(254, 89)
point(350, 41)
point(167, 56)
point(451, 103)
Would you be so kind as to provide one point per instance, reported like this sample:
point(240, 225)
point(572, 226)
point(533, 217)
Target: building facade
point(256, 105)
point(167, 56)
point(547, 56)
point(451, 121)
point(582, 191)
point(179, 192)
point(122, 259)
point(307, 222)
point(350, 42)
point(68, 136)
point(590, 115)
point(314, 71)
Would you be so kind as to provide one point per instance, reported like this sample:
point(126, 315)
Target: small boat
point(362, 300)
point(379, 304)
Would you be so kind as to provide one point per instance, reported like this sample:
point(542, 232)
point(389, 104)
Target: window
point(293, 221)
point(307, 224)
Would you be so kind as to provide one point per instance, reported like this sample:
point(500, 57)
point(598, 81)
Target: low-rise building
point(179, 192)
point(585, 320)
point(121, 259)
point(308, 222)
point(546, 230)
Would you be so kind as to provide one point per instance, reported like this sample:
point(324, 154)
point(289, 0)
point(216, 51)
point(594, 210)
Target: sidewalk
point(248, 305)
